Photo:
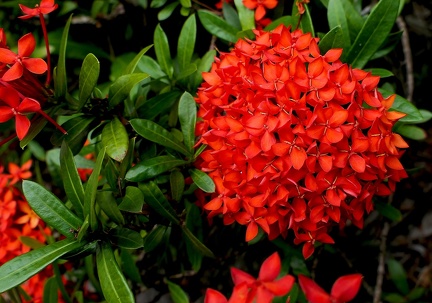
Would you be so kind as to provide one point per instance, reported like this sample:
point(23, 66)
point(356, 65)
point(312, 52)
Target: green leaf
point(158, 105)
point(383, 73)
point(187, 111)
point(246, 16)
point(154, 238)
point(31, 242)
point(194, 224)
point(77, 130)
point(114, 285)
point(126, 238)
point(187, 71)
point(154, 197)
point(156, 133)
point(134, 63)
point(128, 265)
point(83, 230)
point(204, 66)
point(60, 79)
point(374, 31)
point(177, 183)
point(150, 168)
point(115, 139)
point(157, 3)
point(150, 66)
point(410, 131)
point(398, 276)
point(22, 267)
point(167, 11)
point(35, 128)
point(120, 89)
point(51, 209)
point(88, 78)
point(394, 298)
point(133, 200)
point(427, 115)
point(231, 16)
point(333, 39)
point(177, 293)
point(71, 180)
point(389, 211)
point(285, 20)
point(108, 204)
point(336, 16)
point(196, 243)
point(202, 180)
point(162, 51)
point(217, 26)
point(186, 3)
point(90, 192)
point(404, 106)
point(355, 20)
point(50, 293)
point(186, 42)
point(306, 21)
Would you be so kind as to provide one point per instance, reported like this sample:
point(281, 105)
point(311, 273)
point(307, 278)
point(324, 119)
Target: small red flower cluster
point(18, 220)
point(247, 288)
point(296, 139)
point(260, 7)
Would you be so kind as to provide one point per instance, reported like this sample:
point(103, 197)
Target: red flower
point(300, 6)
point(45, 7)
point(14, 107)
point(344, 289)
point(290, 144)
point(260, 6)
point(26, 46)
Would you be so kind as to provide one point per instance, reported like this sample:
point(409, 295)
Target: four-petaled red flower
point(260, 6)
point(17, 62)
point(45, 7)
point(11, 106)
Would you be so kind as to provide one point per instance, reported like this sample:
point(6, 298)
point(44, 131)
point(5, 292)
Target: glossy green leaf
point(133, 200)
point(150, 168)
point(187, 71)
point(204, 66)
point(426, 115)
point(126, 238)
point(374, 31)
point(134, 63)
point(186, 3)
point(108, 204)
point(177, 183)
point(91, 190)
point(150, 66)
point(114, 285)
point(381, 72)
point(88, 77)
point(333, 39)
point(402, 105)
point(77, 130)
point(231, 16)
point(120, 89)
point(196, 243)
point(162, 51)
point(186, 42)
point(167, 11)
point(83, 230)
point(35, 128)
point(115, 139)
point(354, 19)
point(154, 197)
point(157, 3)
point(410, 131)
point(217, 26)
point(128, 265)
point(50, 293)
point(156, 133)
point(187, 112)
point(51, 209)
point(71, 180)
point(60, 78)
point(177, 293)
point(246, 16)
point(398, 276)
point(336, 16)
point(158, 105)
point(31, 242)
point(128, 159)
point(154, 238)
point(389, 211)
point(202, 180)
point(306, 21)
point(285, 20)
point(22, 267)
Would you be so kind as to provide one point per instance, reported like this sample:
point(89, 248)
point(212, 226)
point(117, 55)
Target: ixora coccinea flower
point(296, 140)
point(45, 7)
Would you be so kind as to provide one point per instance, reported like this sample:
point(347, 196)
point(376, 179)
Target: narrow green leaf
point(231, 16)
point(71, 180)
point(246, 16)
point(133, 200)
point(333, 39)
point(114, 285)
point(162, 51)
point(217, 26)
point(154, 238)
point(154, 197)
point(31, 242)
point(177, 183)
point(427, 115)
point(285, 20)
point(355, 20)
point(115, 139)
point(197, 244)
point(158, 105)
point(187, 71)
point(120, 89)
point(60, 79)
point(51, 209)
point(186, 3)
point(21, 268)
point(108, 204)
point(410, 131)
point(88, 78)
point(398, 276)
point(167, 11)
point(126, 238)
point(404, 106)
point(186, 42)
point(336, 16)
point(83, 230)
point(90, 192)
point(389, 211)
point(374, 31)
point(306, 21)
point(150, 168)
point(157, 3)
point(134, 63)
point(50, 293)
point(202, 180)
point(177, 293)
point(203, 66)
point(187, 112)
point(35, 128)
point(156, 133)
point(383, 73)
point(128, 265)
point(150, 66)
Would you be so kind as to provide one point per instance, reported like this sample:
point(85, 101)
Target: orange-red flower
point(295, 140)
point(260, 6)
point(45, 7)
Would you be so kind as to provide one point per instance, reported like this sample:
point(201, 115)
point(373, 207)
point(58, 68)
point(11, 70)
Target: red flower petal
point(9, 96)
point(7, 56)
point(28, 105)
point(35, 65)
point(346, 287)
point(282, 286)
point(239, 276)
point(22, 125)
point(357, 163)
point(270, 268)
point(314, 293)
point(6, 113)
point(213, 296)
point(298, 157)
point(26, 45)
point(15, 72)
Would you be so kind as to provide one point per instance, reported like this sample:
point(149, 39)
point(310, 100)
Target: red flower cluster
point(247, 288)
point(296, 139)
point(18, 220)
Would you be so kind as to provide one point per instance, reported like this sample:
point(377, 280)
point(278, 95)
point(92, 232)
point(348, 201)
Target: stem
point(41, 112)
point(42, 21)
point(4, 141)
point(60, 284)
